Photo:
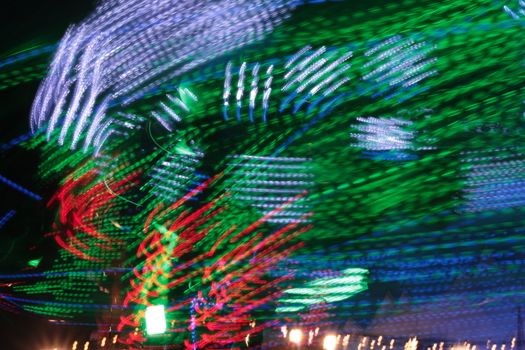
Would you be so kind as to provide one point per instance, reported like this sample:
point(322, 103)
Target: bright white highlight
point(127, 49)
point(397, 65)
point(155, 320)
point(253, 96)
point(296, 336)
point(308, 74)
point(383, 134)
point(330, 342)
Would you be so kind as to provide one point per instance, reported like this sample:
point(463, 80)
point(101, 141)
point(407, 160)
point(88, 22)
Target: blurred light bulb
point(284, 330)
point(155, 320)
point(330, 342)
point(296, 335)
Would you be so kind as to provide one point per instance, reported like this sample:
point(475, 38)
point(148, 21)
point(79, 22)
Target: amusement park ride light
point(155, 320)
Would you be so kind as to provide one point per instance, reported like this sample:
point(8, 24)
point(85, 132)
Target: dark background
point(25, 24)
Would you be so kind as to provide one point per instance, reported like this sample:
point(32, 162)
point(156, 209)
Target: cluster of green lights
point(324, 290)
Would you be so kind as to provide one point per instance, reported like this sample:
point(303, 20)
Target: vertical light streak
point(254, 89)
point(227, 89)
point(267, 92)
point(240, 90)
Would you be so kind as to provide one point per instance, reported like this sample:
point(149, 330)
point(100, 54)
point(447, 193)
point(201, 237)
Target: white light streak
point(170, 112)
point(127, 49)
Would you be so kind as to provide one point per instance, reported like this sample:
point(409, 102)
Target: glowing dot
point(296, 335)
point(155, 319)
point(330, 342)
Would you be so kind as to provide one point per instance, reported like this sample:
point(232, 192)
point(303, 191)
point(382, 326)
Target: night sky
point(25, 22)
